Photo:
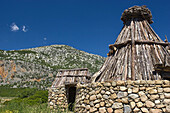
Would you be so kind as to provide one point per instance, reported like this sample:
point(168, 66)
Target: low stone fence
point(124, 97)
point(57, 98)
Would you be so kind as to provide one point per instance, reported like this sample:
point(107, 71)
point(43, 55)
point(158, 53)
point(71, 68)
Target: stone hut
point(134, 78)
point(63, 88)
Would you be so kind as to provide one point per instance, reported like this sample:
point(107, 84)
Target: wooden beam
point(151, 42)
point(77, 69)
point(74, 76)
point(111, 46)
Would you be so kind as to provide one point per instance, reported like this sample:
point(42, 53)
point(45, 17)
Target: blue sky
point(88, 25)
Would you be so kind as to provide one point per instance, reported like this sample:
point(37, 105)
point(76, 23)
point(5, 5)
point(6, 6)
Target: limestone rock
point(168, 109)
point(108, 93)
point(107, 84)
point(160, 90)
point(135, 90)
point(141, 93)
point(97, 105)
point(143, 98)
point(157, 102)
point(160, 106)
point(99, 96)
point(136, 110)
point(120, 83)
point(144, 110)
point(93, 109)
point(105, 96)
point(166, 101)
point(117, 105)
point(87, 107)
point(155, 111)
point(132, 104)
point(109, 110)
point(133, 96)
point(149, 104)
point(129, 82)
point(102, 103)
point(102, 110)
point(118, 111)
point(139, 104)
point(167, 90)
point(113, 96)
point(158, 82)
point(125, 100)
point(127, 109)
point(113, 83)
point(129, 90)
point(93, 97)
point(167, 95)
point(122, 94)
point(153, 97)
point(153, 91)
point(123, 88)
point(102, 92)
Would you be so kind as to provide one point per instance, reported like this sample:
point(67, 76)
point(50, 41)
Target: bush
point(27, 92)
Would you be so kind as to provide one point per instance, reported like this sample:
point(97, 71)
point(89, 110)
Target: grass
point(25, 100)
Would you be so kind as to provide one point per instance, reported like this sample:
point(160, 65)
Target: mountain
point(37, 67)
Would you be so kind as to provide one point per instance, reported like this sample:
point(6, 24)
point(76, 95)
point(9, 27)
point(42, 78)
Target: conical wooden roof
point(138, 53)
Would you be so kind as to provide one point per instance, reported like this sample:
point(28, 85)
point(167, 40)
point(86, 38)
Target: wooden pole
point(133, 50)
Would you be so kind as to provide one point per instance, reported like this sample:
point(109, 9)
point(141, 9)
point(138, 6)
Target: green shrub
point(27, 92)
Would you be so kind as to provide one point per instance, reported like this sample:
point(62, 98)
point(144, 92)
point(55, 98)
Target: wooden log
point(133, 50)
point(119, 45)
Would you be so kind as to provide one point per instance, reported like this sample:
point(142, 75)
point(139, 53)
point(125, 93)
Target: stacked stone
point(124, 97)
point(57, 98)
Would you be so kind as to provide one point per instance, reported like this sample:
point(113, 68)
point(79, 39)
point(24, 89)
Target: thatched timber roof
point(71, 76)
point(138, 53)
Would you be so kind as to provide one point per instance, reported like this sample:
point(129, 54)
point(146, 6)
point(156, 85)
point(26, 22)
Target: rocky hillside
point(37, 67)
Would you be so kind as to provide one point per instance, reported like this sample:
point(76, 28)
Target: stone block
point(167, 109)
point(155, 111)
point(133, 96)
point(93, 97)
point(109, 110)
point(167, 95)
point(120, 83)
point(127, 109)
point(149, 104)
point(102, 110)
point(139, 104)
point(122, 94)
point(132, 104)
point(144, 110)
point(118, 111)
point(167, 90)
point(117, 105)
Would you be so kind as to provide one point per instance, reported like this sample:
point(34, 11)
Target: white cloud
point(45, 38)
point(24, 29)
point(14, 27)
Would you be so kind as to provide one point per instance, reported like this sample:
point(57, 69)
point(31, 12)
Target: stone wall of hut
point(124, 97)
point(57, 98)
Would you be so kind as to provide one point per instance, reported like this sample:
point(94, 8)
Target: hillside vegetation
point(37, 67)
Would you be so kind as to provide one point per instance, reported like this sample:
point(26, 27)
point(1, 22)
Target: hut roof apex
point(139, 12)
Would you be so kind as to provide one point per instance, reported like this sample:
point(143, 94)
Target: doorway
point(71, 96)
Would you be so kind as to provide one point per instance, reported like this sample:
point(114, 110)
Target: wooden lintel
point(77, 69)
point(74, 76)
point(111, 46)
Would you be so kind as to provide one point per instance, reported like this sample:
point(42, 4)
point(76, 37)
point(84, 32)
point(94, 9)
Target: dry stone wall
point(57, 98)
point(124, 97)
